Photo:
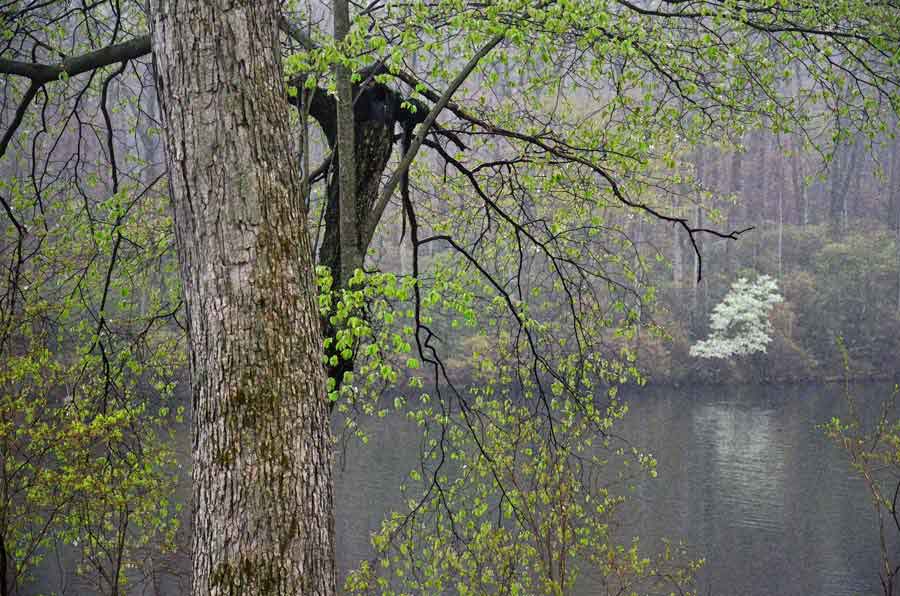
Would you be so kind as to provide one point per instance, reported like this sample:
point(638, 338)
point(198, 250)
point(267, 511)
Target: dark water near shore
point(745, 478)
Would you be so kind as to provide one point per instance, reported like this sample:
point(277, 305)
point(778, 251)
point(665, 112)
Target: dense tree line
point(826, 229)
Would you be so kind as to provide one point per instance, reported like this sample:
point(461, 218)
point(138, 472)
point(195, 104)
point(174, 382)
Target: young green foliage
point(506, 509)
point(872, 448)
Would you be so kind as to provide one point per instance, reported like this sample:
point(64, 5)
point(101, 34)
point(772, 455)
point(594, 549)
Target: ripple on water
point(746, 463)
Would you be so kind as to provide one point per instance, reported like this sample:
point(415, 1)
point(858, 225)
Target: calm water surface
point(745, 478)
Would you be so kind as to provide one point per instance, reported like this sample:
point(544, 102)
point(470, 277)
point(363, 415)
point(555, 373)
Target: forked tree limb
point(441, 102)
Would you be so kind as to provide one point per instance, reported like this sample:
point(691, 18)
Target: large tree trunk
point(263, 517)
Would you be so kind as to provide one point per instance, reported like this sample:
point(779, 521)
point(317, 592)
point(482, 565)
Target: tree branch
point(44, 73)
point(295, 33)
point(350, 253)
point(440, 104)
point(17, 117)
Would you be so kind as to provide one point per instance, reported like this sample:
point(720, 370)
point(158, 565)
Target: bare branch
point(295, 33)
point(407, 160)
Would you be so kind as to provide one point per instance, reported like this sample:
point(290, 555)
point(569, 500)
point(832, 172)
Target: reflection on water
point(746, 458)
point(745, 478)
point(748, 480)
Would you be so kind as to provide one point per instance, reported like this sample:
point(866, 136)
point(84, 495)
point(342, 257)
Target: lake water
point(745, 478)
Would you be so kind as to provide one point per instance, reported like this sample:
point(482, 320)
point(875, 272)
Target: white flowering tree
point(740, 323)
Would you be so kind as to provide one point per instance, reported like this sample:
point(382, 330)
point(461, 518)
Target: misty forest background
point(825, 224)
point(827, 232)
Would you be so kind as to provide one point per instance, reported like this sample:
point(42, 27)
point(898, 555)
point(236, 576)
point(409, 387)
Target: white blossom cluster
point(740, 323)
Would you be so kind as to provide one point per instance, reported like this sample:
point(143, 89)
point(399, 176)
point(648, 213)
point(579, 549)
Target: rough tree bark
point(263, 517)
